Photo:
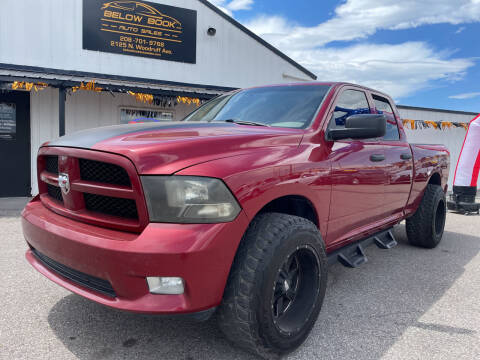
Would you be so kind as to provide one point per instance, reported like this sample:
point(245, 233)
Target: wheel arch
point(297, 205)
point(435, 179)
point(290, 204)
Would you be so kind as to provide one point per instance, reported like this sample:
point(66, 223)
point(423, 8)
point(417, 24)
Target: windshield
point(282, 106)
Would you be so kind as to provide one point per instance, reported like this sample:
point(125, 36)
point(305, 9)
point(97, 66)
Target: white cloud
point(460, 29)
point(217, 2)
point(220, 4)
point(271, 28)
point(465, 96)
point(398, 69)
point(358, 19)
point(235, 5)
point(228, 7)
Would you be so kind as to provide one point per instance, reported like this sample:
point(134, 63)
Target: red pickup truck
point(238, 208)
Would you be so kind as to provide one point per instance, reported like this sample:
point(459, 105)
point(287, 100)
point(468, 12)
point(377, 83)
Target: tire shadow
point(365, 311)
point(93, 331)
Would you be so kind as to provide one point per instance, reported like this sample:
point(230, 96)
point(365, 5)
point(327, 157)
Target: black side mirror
point(361, 126)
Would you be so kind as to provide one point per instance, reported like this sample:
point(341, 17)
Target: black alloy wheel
point(440, 216)
point(296, 290)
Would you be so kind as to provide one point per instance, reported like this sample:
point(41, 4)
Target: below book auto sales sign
point(140, 28)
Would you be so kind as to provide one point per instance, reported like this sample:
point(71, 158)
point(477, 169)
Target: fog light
point(165, 285)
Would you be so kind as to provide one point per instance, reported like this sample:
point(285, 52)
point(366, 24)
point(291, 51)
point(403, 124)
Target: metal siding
point(86, 109)
point(451, 138)
point(43, 125)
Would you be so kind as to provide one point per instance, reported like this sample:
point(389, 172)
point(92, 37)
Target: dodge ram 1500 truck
point(239, 208)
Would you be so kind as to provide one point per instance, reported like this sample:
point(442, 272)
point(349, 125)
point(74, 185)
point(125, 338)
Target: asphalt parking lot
point(405, 303)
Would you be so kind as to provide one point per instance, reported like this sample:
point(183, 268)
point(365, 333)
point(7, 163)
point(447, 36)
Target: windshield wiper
point(243, 122)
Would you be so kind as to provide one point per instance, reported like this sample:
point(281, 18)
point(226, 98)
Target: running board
point(385, 240)
point(353, 255)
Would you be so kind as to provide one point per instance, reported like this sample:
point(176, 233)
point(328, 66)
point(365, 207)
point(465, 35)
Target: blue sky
point(421, 52)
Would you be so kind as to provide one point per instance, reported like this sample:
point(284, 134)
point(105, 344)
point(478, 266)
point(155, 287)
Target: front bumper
point(199, 253)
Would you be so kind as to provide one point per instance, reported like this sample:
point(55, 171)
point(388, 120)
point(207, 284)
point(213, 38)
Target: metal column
point(61, 110)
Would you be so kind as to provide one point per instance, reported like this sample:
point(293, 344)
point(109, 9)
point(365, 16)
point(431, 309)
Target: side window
point(350, 102)
point(383, 107)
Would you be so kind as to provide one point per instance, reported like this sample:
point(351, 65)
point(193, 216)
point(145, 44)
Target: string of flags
point(89, 86)
point(428, 124)
point(141, 97)
point(29, 86)
point(188, 100)
point(158, 100)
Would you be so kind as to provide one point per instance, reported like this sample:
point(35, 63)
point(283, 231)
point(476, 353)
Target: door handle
point(406, 156)
point(377, 157)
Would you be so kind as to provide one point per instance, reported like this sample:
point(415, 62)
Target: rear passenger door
point(358, 174)
point(398, 160)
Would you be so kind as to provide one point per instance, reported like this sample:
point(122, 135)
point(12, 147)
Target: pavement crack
point(444, 328)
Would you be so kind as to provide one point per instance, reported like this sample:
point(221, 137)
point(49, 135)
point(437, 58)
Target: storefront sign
point(140, 28)
point(8, 121)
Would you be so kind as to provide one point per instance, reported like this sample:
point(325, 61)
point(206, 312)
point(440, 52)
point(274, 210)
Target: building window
point(8, 121)
point(135, 116)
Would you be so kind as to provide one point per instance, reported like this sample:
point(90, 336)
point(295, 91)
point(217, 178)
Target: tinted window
point(350, 102)
point(383, 107)
point(282, 106)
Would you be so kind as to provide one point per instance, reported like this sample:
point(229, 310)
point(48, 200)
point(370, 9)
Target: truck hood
point(165, 148)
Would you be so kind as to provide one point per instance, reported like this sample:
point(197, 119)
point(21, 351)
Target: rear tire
point(276, 286)
point(425, 228)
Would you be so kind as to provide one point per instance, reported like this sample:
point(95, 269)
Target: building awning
point(146, 89)
point(69, 79)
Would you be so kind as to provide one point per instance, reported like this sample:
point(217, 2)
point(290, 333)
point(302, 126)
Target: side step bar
point(353, 255)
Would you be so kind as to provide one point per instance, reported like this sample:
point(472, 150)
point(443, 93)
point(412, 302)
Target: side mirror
point(361, 126)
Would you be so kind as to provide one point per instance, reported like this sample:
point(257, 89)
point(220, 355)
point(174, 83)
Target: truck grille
point(91, 170)
point(111, 206)
point(55, 192)
point(105, 189)
point(51, 164)
point(90, 282)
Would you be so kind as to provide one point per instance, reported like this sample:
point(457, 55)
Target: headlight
point(188, 199)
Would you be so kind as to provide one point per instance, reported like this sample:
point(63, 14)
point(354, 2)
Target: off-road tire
point(246, 315)
point(425, 228)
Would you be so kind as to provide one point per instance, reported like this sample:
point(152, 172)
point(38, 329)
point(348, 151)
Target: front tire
point(276, 286)
point(425, 228)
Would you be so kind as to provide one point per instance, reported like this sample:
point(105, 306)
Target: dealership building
point(88, 63)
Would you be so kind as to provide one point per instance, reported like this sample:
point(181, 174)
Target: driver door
point(358, 174)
